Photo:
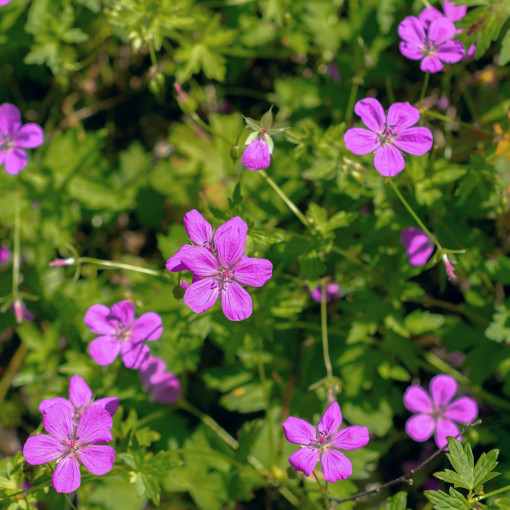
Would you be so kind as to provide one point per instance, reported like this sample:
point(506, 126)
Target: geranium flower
point(332, 292)
point(70, 444)
point(437, 414)
point(14, 138)
point(388, 135)
point(21, 312)
point(419, 246)
point(324, 442)
point(164, 386)
point(121, 332)
point(432, 45)
point(219, 267)
point(257, 155)
point(80, 399)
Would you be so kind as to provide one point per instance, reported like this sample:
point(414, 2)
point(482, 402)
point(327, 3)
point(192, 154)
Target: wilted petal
point(198, 228)
point(402, 116)
point(79, 392)
point(451, 52)
point(15, 160)
point(10, 119)
point(199, 260)
point(104, 349)
point(428, 15)
point(350, 438)
point(335, 466)
point(463, 410)
point(420, 427)
point(305, 460)
point(445, 428)
point(236, 302)
point(29, 136)
point(388, 161)
point(360, 141)
point(419, 248)
point(97, 459)
point(201, 295)
point(174, 263)
point(452, 12)
point(410, 50)
point(147, 327)
point(124, 311)
point(134, 354)
point(41, 449)
point(257, 155)
point(229, 240)
point(441, 30)
point(111, 404)
point(298, 431)
point(96, 320)
point(94, 426)
point(67, 477)
point(417, 400)
point(411, 29)
point(414, 140)
point(56, 400)
point(371, 113)
point(58, 421)
point(442, 388)
point(331, 419)
point(252, 271)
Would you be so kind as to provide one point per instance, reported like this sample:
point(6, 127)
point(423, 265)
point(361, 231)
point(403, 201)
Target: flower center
point(429, 47)
point(6, 142)
point(387, 134)
point(320, 441)
point(123, 332)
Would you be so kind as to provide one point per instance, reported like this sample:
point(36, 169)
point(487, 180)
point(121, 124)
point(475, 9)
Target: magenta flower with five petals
point(80, 399)
point(419, 246)
point(257, 155)
point(14, 138)
point(437, 414)
point(432, 45)
point(324, 442)
point(164, 386)
point(71, 444)
point(388, 135)
point(121, 333)
point(219, 267)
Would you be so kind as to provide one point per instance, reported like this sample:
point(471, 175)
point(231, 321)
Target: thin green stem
point(12, 370)
point(115, 265)
point(352, 99)
point(426, 3)
point(445, 118)
point(493, 493)
point(152, 53)
point(267, 398)
point(425, 84)
point(69, 502)
point(290, 204)
point(324, 330)
point(17, 248)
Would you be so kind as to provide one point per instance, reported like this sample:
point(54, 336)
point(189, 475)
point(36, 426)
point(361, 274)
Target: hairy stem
point(493, 493)
point(424, 87)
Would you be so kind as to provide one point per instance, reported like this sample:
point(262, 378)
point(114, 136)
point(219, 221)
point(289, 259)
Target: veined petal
point(431, 64)
point(335, 465)
point(10, 119)
point(96, 320)
point(66, 477)
point(98, 459)
point(442, 388)
point(412, 30)
point(298, 431)
point(79, 392)
point(305, 459)
point(94, 426)
point(42, 448)
point(371, 113)
point(417, 400)
point(198, 228)
point(420, 427)
point(360, 141)
point(148, 326)
point(15, 161)
point(201, 295)
point(451, 52)
point(452, 12)
point(29, 136)
point(229, 240)
point(402, 116)
point(419, 246)
point(236, 302)
point(414, 140)
point(441, 30)
point(257, 155)
point(134, 354)
point(124, 311)
point(111, 404)
point(410, 50)
point(58, 421)
point(200, 261)
point(350, 438)
point(463, 410)
point(253, 271)
point(174, 263)
point(388, 160)
point(445, 428)
point(428, 15)
point(331, 419)
point(104, 349)
point(56, 400)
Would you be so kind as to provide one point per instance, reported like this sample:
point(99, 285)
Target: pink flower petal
point(58, 421)
point(417, 400)
point(414, 140)
point(67, 477)
point(236, 302)
point(94, 426)
point(199, 260)
point(42, 448)
point(350, 438)
point(97, 321)
point(445, 428)
point(419, 246)
point(331, 419)
point(166, 390)
point(124, 311)
point(431, 65)
point(29, 136)
point(410, 50)
point(360, 141)
point(428, 15)
point(10, 119)
point(15, 160)
point(442, 388)
point(402, 116)
point(441, 30)
point(79, 392)
point(98, 459)
point(420, 427)
point(229, 240)
point(298, 431)
point(56, 400)
point(252, 271)
point(411, 30)
point(198, 228)
point(174, 262)
point(111, 404)
point(463, 410)
point(257, 155)
point(150, 368)
point(451, 52)
point(371, 113)
point(388, 161)
point(147, 327)
point(335, 466)
point(452, 12)
point(201, 295)
point(305, 460)
point(104, 349)
point(134, 354)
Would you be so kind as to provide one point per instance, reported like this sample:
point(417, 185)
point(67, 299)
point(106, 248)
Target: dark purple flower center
point(429, 47)
point(387, 134)
point(225, 275)
point(6, 142)
point(320, 441)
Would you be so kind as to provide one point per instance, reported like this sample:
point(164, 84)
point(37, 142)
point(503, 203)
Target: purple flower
point(451, 12)
point(219, 267)
point(388, 135)
point(80, 399)
point(5, 256)
point(14, 138)
point(432, 45)
point(332, 292)
point(257, 155)
point(324, 442)
point(71, 444)
point(164, 386)
point(121, 332)
point(437, 415)
point(4, 2)
point(419, 246)
point(21, 312)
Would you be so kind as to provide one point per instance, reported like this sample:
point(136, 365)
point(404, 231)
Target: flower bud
point(257, 155)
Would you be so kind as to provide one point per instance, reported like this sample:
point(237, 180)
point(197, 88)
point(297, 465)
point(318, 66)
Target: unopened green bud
point(235, 152)
point(178, 292)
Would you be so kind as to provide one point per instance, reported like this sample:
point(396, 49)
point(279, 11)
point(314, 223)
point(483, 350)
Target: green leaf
point(504, 56)
point(442, 501)
point(397, 502)
point(462, 461)
point(485, 465)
